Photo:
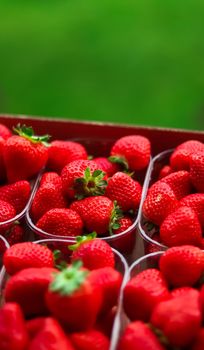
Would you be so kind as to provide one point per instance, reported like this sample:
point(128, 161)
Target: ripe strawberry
point(197, 170)
point(48, 196)
point(179, 318)
point(107, 166)
point(14, 234)
point(91, 339)
point(165, 171)
point(51, 336)
point(199, 340)
point(5, 133)
point(82, 178)
point(132, 151)
point(7, 212)
point(17, 194)
point(125, 242)
point(61, 222)
point(182, 266)
point(13, 333)
point(61, 153)
point(138, 335)
point(180, 158)
point(94, 253)
point(110, 282)
point(34, 325)
point(2, 164)
point(25, 255)
point(124, 223)
point(196, 202)
point(72, 295)
point(181, 227)
point(160, 202)
point(24, 154)
point(143, 292)
point(98, 213)
point(50, 177)
point(28, 287)
point(179, 182)
point(178, 292)
point(126, 191)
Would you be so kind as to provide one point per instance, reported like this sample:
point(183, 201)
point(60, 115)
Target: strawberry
point(165, 170)
point(50, 177)
point(133, 151)
point(110, 281)
point(106, 321)
point(2, 164)
point(126, 191)
point(51, 336)
point(28, 287)
point(125, 242)
point(91, 339)
point(107, 166)
point(178, 292)
point(82, 178)
point(7, 212)
point(17, 194)
point(179, 182)
point(187, 261)
point(124, 224)
point(71, 295)
point(48, 196)
point(61, 222)
point(199, 340)
point(5, 133)
point(14, 234)
point(25, 154)
point(197, 170)
point(13, 333)
point(94, 253)
point(181, 227)
point(151, 247)
point(178, 318)
point(61, 153)
point(201, 299)
point(196, 202)
point(160, 202)
point(27, 254)
point(180, 158)
point(138, 335)
point(143, 292)
point(34, 325)
point(98, 213)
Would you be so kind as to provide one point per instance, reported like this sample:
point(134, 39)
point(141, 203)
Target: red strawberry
point(138, 335)
point(199, 340)
point(27, 254)
point(5, 133)
point(51, 336)
point(196, 202)
point(34, 325)
point(72, 295)
point(182, 266)
point(124, 223)
point(178, 292)
point(82, 178)
point(13, 334)
point(2, 164)
point(125, 242)
point(133, 151)
point(179, 318)
point(61, 222)
point(7, 212)
point(48, 196)
point(28, 287)
point(160, 202)
point(126, 191)
point(107, 166)
point(17, 194)
point(165, 170)
point(14, 234)
point(179, 182)
point(50, 177)
point(98, 214)
point(151, 247)
point(61, 153)
point(180, 158)
point(25, 154)
point(110, 281)
point(143, 292)
point(197, 171)
point(181, 227)
point(94, 253)
point(91, 339)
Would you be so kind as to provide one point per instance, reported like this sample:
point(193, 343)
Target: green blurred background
point(137, 61)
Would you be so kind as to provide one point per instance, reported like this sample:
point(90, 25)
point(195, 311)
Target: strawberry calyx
point(69, 279)
point(91, 184)
point(82, 239)
point(116, 215)
point(119, 160)
point(28, 133)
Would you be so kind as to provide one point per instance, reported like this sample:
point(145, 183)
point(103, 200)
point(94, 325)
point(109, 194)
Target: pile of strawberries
point(59, 302)
point(175, 203)
point(166, 305)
